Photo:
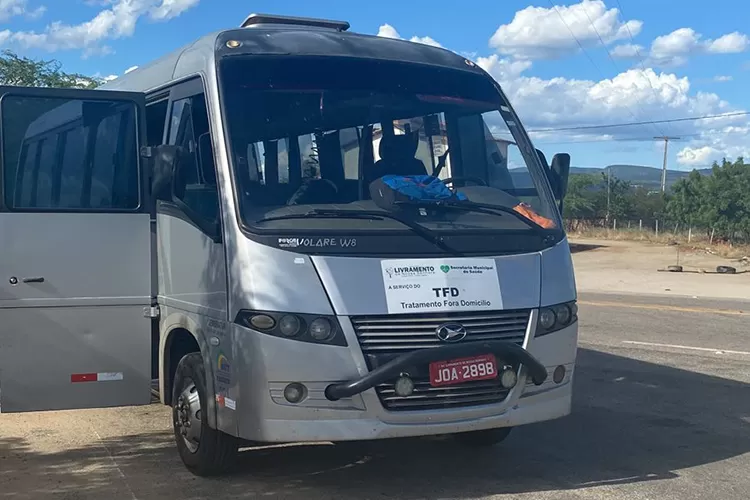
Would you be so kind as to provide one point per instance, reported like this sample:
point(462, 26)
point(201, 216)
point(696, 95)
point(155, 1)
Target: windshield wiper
point(333, 213)
point(318, 214)
point(470, 206)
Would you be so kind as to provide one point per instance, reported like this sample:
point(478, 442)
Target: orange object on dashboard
point(528, 212)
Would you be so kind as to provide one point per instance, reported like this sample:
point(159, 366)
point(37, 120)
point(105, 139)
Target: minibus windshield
point(310, 134)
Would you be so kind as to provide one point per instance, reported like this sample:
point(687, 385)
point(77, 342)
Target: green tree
point(647, 204)
point(581, 198)
point(687, 203)
point(726, 200)
point(25, 72)
point(618, 200)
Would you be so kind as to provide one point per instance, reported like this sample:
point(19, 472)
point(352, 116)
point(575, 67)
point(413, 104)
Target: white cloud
point(715, 143)
point(109, 78)
point(425, 40)
point(388, 31)
point(171, 8)
point(117, 21)
point(562, 102)
point(626, 51)
point(674, 48)
point(731, 43)
point(697, 156)
point(11, 8)
point(723, 78)
point(503, 70)
point(541, 33)
point(132, 68)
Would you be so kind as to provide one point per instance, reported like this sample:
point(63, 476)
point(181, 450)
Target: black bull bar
point(392, 369)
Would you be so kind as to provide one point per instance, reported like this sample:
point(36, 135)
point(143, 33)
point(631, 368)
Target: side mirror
point(560, 170)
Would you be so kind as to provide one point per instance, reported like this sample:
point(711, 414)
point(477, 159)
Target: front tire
point(204, 451)
point(488, 437)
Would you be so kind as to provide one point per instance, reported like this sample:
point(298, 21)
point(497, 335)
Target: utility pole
point(609, 168)
point(666, 140)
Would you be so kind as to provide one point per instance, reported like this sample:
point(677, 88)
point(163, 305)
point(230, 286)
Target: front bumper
point(547, 405)
point(263, 415)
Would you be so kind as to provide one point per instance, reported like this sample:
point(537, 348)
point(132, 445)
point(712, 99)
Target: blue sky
point(640, 60)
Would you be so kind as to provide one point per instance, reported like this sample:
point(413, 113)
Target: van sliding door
point(75, 250)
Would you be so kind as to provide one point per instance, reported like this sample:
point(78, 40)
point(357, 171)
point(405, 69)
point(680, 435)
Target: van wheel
point(204, 451)
point(489, 437)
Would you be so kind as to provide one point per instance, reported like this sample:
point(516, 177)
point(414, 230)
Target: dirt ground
point(632, 267)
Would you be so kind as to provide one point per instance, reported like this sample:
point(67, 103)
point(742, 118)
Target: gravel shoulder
point(628, 267)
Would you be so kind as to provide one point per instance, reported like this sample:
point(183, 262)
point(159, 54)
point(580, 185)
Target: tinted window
point(69, 154)
point(195, 183)
point(71, 175)
point(46, 172)
point(349, 123)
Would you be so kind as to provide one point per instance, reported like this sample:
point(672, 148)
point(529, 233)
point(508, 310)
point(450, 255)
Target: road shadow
point(632, 421)
point(584, 247)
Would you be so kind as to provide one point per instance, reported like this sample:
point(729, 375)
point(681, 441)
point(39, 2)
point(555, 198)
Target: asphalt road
point(661, 411)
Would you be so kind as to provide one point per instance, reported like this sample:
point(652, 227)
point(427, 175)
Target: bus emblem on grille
point(451, 332)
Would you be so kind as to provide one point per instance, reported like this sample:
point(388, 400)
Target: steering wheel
point(476, 180)
point(309, 188)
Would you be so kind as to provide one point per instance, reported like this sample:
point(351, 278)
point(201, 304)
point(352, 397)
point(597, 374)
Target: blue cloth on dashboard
point(421, 188)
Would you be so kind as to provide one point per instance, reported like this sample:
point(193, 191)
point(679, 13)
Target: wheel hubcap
point(187, 416)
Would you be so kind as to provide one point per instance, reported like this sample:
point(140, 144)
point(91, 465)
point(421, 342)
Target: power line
point(640, 57)
point(630, 124)
point(588, 56)
point(612, 60)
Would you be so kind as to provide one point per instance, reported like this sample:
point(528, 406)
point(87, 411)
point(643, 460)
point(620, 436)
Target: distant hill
point(648, 177)
point(637, 175)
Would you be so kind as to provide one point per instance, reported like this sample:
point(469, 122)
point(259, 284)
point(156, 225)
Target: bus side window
point(156, 114)
point(196, 186)
point(70, 154)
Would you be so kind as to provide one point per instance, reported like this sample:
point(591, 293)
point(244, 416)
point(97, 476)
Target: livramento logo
point(410, 271)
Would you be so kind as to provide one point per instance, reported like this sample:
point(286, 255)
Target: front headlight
point(556, 317)
point(312, 328)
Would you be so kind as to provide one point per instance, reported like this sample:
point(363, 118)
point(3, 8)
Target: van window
point(69, 154)
point(195, 182)
point(156, 113)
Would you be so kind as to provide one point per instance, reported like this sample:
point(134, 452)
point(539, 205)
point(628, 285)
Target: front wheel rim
point(187, 417)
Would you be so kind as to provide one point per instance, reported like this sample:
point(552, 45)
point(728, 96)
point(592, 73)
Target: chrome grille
point(426, 397)
point(406, 332)
point(384, 337)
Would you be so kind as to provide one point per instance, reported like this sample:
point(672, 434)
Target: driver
point(398, 156)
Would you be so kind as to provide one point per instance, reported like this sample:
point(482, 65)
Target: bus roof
point(271, 36)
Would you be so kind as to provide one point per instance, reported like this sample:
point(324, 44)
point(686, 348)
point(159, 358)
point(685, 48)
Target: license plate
point(457, 371)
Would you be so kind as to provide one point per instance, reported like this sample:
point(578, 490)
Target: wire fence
point(651, 229)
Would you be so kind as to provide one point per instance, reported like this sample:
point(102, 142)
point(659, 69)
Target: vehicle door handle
point(38, 279)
